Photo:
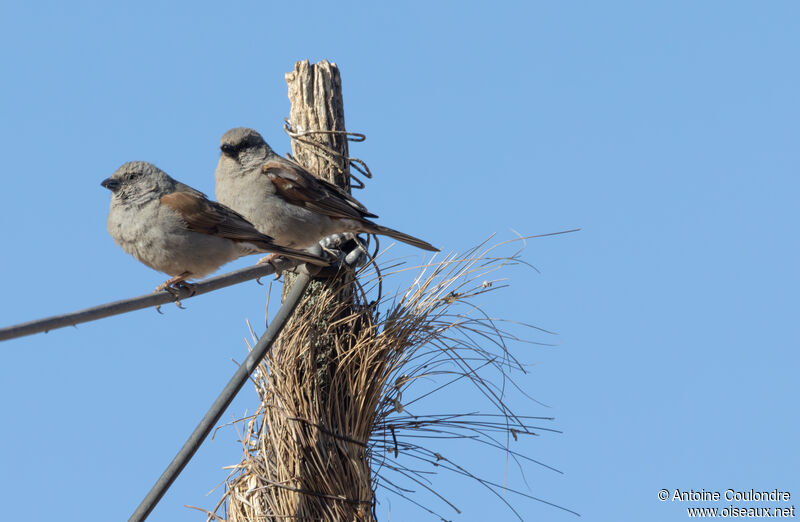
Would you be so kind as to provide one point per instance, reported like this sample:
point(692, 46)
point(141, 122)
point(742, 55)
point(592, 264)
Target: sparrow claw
point(332, 252)
point(176, 291)
point(175, 287)
point(346, 248)
point(191, 287)
point(267, 259)
point(271, 260)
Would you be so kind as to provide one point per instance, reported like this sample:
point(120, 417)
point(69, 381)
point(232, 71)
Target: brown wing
point(209, 217)
point(297, 186)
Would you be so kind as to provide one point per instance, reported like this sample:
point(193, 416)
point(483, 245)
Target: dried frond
point(336, 390)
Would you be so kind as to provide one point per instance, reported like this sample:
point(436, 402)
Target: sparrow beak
point(111, 184)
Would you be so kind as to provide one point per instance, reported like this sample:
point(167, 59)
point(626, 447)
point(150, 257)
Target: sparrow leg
point(347, 248)
point(177, 287)
point(191, 287)
point(268, 259)
point(332, 245)
point(332, 252)
point(271, 260)
point(173, 286)
point(171, 281)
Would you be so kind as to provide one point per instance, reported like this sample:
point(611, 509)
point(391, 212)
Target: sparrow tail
point(305, 257)
point(405, 238)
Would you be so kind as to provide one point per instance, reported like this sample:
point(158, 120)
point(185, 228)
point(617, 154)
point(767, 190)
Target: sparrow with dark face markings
point(175, 229)
point(285, 201)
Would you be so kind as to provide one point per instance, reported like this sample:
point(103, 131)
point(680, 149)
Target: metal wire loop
point(331, 155)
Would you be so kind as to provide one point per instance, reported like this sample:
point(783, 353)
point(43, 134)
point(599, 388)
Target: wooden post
point(315, 92)
point(307, 452)
point(316, 95)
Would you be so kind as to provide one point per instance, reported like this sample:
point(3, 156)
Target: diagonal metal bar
point(143, 301)
point(223, 401)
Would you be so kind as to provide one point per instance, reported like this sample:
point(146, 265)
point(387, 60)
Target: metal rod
point(143, 301)
point(223, 401)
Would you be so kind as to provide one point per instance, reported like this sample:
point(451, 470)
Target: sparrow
point(175, 229)
point(284, 200)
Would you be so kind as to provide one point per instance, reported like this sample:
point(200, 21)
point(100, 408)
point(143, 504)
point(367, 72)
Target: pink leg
point(173, 280)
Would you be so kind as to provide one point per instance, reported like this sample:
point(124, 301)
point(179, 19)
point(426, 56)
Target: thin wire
point(144, 301)
point(223, 400)
point(329, 153)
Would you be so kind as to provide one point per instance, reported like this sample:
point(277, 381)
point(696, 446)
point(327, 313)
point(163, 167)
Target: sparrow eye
point(228, 149)
point(133, 175)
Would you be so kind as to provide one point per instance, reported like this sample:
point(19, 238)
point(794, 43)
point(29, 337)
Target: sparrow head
point(138, 179)
point(240, 141)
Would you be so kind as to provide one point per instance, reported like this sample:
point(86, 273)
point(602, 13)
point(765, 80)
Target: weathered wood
point(316, 95)
point(315, 92)
point(307, 452)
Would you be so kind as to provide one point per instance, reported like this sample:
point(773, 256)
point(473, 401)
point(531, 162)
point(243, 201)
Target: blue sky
point(667, 131)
